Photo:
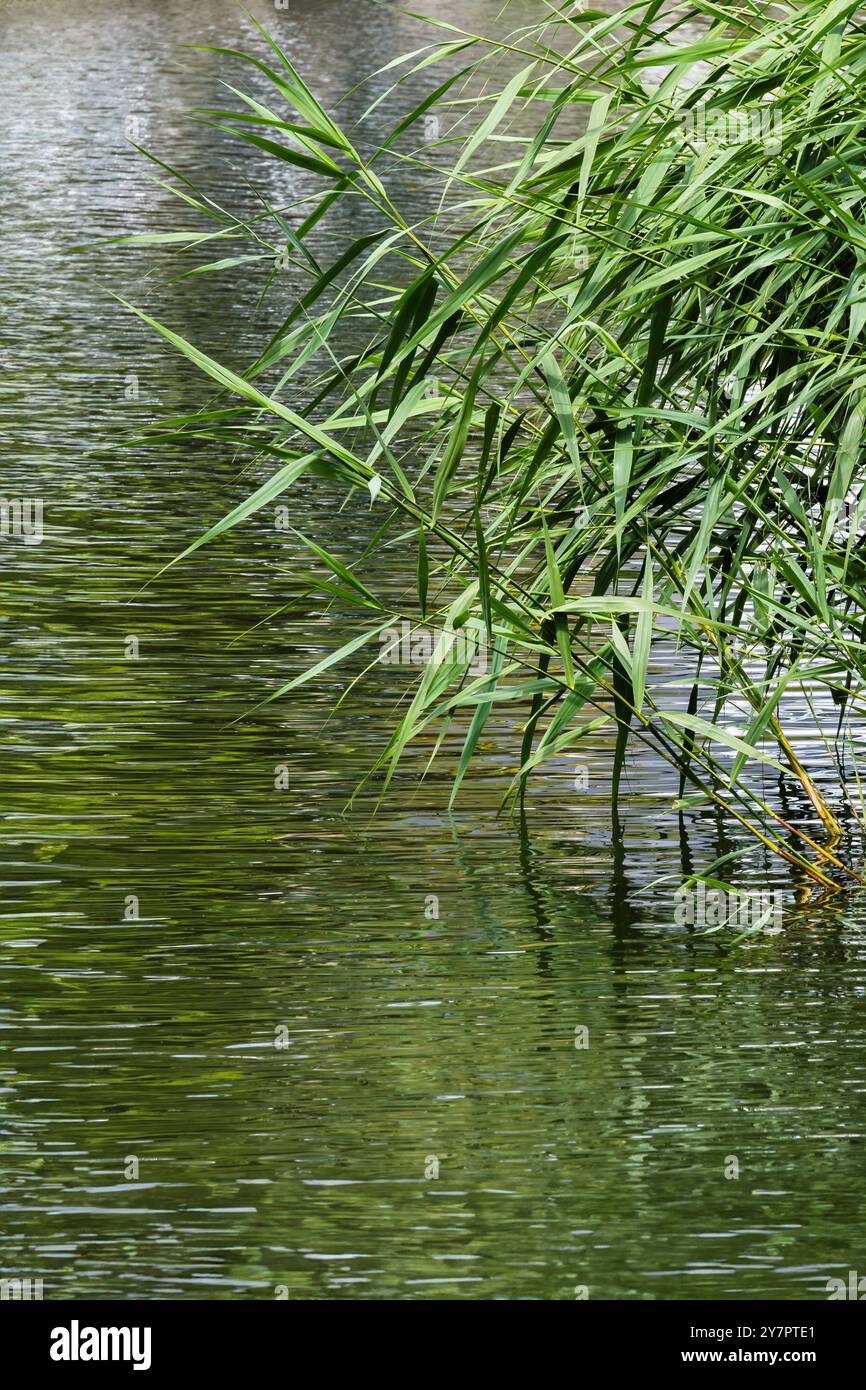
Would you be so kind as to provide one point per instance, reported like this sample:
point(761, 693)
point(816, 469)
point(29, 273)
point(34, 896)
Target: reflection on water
point(244, 1049)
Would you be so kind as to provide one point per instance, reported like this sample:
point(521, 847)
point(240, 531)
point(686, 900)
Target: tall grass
point(643, 308)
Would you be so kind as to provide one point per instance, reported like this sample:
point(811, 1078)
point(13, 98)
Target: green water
point(242, 1055)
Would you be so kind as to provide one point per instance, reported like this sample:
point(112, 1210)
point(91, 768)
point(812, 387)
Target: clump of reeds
point(642, 305)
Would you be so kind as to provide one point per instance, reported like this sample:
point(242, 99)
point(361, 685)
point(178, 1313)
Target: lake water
point(241, 1055)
